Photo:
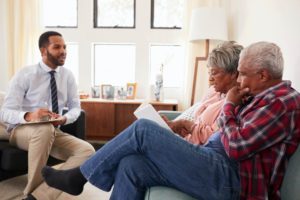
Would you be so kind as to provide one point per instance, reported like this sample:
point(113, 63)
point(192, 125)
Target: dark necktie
point(53, 92)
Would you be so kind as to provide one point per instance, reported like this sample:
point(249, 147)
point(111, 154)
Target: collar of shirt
point(275, 87)
point(47, 68)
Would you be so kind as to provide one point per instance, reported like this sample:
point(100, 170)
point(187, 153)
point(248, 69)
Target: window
point(172, 59)
point(60, 13)
point(167, 13)
point(72, 59)
point(114, 13)
point(114, 64)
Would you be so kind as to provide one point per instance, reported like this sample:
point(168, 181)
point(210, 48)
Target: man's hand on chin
point(236, 95)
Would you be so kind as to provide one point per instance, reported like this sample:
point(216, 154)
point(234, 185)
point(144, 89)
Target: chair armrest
point(170, 114)
point(76, 128)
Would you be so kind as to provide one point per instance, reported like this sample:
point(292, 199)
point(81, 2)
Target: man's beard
point(53, 60)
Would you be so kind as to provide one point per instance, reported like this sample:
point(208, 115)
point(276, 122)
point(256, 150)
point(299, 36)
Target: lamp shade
point(208, 23)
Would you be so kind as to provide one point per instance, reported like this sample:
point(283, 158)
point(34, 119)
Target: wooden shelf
point(106, 118)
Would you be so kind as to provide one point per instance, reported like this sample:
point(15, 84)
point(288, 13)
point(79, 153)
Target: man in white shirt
point(41, 91)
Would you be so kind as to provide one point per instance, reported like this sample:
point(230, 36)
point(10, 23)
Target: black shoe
point(30, 197)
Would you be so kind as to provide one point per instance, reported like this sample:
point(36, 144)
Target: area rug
point(11, 189)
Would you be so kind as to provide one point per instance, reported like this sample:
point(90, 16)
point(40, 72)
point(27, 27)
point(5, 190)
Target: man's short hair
point(264, 55)
point(44, 38)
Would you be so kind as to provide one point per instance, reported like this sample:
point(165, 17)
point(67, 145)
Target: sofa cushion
point(290, 186)
point(12, 158)
point(165, 193)
point(3, 133)
point(2, 95)
point(189, 113)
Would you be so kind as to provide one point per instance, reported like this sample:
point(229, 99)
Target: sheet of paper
point(147, 111)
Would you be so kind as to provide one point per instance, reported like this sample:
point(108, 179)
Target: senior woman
point(222, 66)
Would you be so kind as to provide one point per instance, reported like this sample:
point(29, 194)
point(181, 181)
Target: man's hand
point(62, 120)
point(236, 95)
point(43, 113)
point(38, 115)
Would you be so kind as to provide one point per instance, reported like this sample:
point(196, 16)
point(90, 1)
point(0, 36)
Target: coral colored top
point(205, 117)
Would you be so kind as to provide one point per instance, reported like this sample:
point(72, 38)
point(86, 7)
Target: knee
point(143, 124)
point(86, 149)
point(44, 131)
point(132, 166)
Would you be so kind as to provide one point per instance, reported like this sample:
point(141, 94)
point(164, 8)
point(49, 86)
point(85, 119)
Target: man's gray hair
point(226, 56)
point(264, 55)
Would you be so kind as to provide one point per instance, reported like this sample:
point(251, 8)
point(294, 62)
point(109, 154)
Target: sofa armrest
point(76, 128)
point(165, 193)
point(170, 114)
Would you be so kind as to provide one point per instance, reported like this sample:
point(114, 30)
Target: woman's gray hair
point(226, 56)
point(264, 55)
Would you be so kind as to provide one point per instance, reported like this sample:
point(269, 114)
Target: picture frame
point(107, 91)
point(95, 91)
point(131, 90)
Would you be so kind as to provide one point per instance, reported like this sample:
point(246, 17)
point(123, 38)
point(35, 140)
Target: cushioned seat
point(13, 161)
point(12, 158)
point(165, 193)
point(289, 190)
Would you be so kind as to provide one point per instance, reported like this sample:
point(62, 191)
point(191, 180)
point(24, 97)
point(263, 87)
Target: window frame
point(95, 16)
point(152, 19)
point(76, 26)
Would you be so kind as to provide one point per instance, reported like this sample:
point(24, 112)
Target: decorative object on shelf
point(121, 93)
point(83, 95)
point(131, 90)
point(158, 88)
point(96, 91)
point(207, 23)
point(107, 91)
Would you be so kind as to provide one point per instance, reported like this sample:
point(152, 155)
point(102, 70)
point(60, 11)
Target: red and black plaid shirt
point(262, 136)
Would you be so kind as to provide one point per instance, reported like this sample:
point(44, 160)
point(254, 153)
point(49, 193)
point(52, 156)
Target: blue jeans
point(146, 155)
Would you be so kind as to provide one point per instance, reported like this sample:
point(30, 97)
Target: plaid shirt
point(262, 135)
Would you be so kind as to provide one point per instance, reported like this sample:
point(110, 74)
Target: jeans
point(146, 155)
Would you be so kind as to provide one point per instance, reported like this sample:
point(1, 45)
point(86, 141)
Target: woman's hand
point(182, 127)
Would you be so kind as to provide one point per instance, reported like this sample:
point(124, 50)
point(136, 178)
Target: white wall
point(3, 66)
point(270, 20)
point(250, 21)
point(141, 36)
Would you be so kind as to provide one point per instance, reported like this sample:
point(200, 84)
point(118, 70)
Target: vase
point(158, 88)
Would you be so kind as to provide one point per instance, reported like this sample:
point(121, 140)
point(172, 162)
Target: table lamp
point(207, 23)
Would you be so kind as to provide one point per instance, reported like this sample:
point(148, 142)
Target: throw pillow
point(3, 133)
point(189, 113)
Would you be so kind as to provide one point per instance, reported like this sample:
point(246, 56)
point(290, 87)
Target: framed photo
point(131, 90)
point(95, 91)
point(107, 91)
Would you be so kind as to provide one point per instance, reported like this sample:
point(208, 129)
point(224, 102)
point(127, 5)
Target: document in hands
point(147, 111)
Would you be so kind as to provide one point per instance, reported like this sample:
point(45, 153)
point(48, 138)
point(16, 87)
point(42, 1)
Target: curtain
point(23, 27)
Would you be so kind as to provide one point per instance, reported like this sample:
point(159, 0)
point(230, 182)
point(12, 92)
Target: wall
point(142, 36)
point(3, 69)
point(269, 20)
point(249, 21)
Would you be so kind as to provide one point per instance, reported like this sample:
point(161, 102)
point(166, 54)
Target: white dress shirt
point(30, 89)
